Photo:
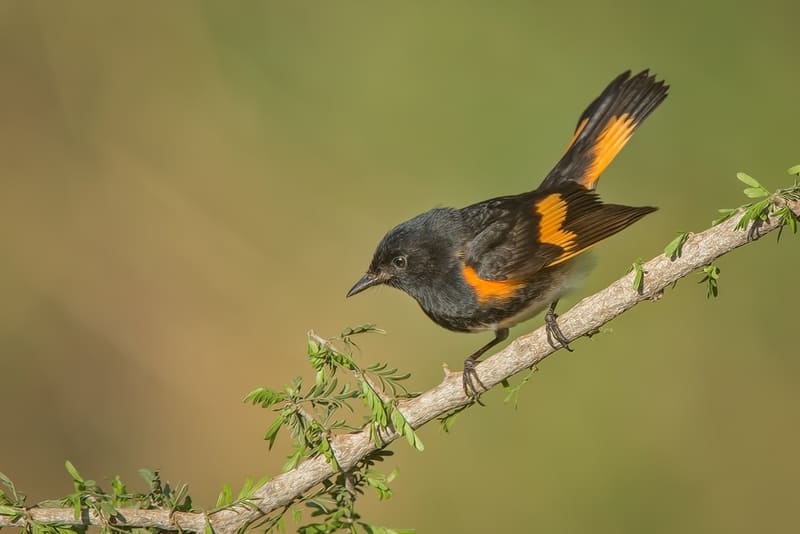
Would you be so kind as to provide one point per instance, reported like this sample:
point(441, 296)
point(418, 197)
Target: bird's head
point(411, 256)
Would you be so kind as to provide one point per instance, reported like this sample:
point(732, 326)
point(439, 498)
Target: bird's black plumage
point(495, 263)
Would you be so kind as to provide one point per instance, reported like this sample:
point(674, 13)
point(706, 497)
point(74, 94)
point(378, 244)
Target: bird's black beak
point(366, 282)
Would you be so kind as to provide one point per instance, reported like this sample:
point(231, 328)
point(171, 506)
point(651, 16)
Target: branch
point(525, 352)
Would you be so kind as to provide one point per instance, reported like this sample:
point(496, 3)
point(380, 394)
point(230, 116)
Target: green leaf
point(711, 279)
point(315, 528)
point(246, 490)
point(263, 396)
point(795, 170)
point(380, 483)
point(181, 500)
point(117, 486)
point(11, 511)
point(638, 277)
point(73, 472)
point(675, 247)
point(327, 451)
point(149, 476)
point(756, 192)
point(726, 213)
point(77, 506)
point(401, 425)
point(6, 481)
point(225, 496)
point(748, 180)
point(392, 475)
point(758, 210)
point(320, 377)
point(107, 509)
point(317, 508)
point(373, 402)
point(15, 498)
point(295, 457)
point(272, 431)
point(512, 394)
point(413, 439)
point(447, 421)
point(786, 217)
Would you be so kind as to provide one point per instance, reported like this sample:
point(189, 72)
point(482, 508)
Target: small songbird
point(496, 263)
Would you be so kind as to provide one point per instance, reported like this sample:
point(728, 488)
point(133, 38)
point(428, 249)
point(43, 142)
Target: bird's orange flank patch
point(608, 144)
point(487, 290)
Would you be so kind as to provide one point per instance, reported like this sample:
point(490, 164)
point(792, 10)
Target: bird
point(491, 265)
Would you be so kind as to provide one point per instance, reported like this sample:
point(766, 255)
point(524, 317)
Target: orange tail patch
point(604, 128)
point(605, 149)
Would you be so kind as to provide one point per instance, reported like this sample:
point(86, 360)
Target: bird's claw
point(554, 333)
point(471, 382)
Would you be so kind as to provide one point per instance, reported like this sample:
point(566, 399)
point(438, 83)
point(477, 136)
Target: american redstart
point(496, 263)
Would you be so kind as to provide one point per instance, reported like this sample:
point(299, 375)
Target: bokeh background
point(188, 187)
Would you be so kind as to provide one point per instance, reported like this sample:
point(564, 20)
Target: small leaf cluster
point(314, 414)
point(765, 204)
point(711, 279)
point(12, 502)
point(245, 497)
point(333, 507)
point(674, 248)
point(512, 392)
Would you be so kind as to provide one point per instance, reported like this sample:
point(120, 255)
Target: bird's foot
point(473, 387)
point(554, 333)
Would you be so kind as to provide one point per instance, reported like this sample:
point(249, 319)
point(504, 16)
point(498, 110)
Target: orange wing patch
point(608, 144)
point(552, 211)
point(488, 290)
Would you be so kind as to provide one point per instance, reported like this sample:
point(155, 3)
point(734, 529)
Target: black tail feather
point(606, 126)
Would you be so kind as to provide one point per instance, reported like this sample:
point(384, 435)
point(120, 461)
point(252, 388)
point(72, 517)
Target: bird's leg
point(554, 332)
point(470, 377)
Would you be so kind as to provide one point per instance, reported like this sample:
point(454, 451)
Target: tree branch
point(523, 353)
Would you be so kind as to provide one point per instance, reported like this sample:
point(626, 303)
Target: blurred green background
point(188, 187)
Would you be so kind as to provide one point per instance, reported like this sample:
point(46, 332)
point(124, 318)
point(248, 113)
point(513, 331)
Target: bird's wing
point(522, 235)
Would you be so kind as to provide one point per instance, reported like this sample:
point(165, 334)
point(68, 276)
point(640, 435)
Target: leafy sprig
point(767, 205)
point(313, 415)
point(512, 392)
point(12, 502)
point(90, 496)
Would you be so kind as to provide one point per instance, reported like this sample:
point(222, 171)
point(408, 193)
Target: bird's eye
point(400, 262)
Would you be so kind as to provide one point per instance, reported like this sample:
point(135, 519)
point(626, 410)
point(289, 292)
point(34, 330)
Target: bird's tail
point(606, 126)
